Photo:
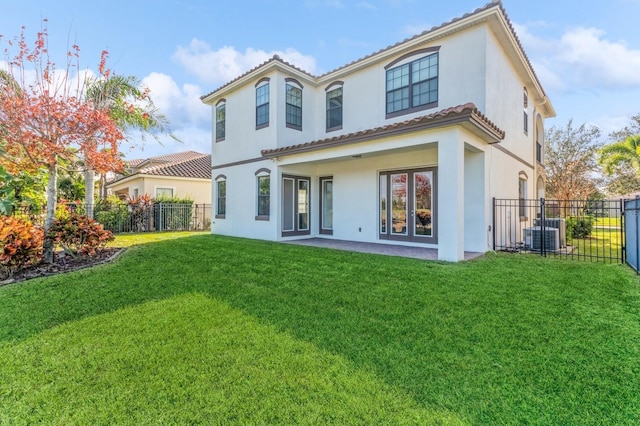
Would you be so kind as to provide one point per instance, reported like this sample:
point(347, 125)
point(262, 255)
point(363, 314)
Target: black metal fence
point(589, 230)
point(122, 218)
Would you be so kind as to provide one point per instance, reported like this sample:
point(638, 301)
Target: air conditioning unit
point(556, 222)
point(533, 239)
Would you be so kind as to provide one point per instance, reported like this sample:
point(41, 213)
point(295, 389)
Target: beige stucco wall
point(199, 190)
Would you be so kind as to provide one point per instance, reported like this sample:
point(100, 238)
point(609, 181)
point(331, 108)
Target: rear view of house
point(406, 146)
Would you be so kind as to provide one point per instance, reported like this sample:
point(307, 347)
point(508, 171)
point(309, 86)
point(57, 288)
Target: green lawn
point(205, 329)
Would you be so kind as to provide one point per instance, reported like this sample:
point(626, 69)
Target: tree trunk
point(103, 186)
point(52, 194)
point(89, 188)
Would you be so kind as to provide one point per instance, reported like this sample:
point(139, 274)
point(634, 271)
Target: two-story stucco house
point(405, 146)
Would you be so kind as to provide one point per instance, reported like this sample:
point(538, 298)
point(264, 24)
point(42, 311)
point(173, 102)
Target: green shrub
point(79, 235)
point(21, 245)
point(579, 227)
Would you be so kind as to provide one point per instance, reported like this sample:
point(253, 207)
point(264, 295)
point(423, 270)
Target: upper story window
point(525, 107)
point(262, 103)
point(294, 104)
point(221, 117)
point(412, 86)
point(334, 107)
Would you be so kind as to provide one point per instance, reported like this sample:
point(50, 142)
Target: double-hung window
point(262, 104)
point(334, 109)
point(412, 86)
point(221, 116)
point(294, 104)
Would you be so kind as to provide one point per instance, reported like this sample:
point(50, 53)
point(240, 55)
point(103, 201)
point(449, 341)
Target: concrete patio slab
point(377, 248)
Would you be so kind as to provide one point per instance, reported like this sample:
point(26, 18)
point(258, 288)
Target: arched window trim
point(293, 81)
point(263, 172)
point(410, 56)
point(334, 85)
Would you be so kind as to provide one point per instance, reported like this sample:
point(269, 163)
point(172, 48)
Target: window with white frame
point(164, 192)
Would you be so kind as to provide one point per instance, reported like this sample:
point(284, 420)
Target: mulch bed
point(62, 264)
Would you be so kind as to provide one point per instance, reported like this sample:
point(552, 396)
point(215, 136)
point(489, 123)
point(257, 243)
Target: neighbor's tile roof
point(187, 164)
point(461, 114)
point(194, 167)
point(169, 158)
point(493, 3)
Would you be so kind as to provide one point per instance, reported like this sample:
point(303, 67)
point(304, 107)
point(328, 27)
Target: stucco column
point(451, 198)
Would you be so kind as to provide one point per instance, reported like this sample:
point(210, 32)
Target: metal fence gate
point(632, 232)
point(588, 230)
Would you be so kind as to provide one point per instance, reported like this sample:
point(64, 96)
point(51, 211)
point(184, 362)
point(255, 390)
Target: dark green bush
point(579, 227)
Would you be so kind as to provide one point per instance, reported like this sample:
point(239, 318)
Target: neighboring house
point(405, 146)
point(184, 175)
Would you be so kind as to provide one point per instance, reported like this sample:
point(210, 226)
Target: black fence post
point(494, 224)
point(543, 243)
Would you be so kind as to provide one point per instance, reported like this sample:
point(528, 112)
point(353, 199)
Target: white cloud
point(581, 59)
point(224, 64)
point(181, 105)
point(597, 61)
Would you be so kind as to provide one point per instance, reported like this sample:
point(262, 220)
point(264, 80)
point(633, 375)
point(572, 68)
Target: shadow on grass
point(504, 339)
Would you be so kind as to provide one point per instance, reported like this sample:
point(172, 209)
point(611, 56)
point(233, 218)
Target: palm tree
point(131, 109)
point(623, 153)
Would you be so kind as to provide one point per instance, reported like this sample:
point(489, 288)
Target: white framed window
point(164, 192)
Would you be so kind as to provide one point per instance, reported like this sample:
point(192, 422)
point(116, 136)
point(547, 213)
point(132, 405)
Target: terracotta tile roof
point(466, 114)
point(169, 158)
point(196, 167)
point(188, 164)
point(492, 4)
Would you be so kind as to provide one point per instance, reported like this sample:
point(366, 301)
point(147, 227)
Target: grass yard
point(207, 329)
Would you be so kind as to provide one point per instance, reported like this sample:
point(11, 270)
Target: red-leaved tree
point(46, 117)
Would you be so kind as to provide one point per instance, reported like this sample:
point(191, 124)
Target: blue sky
point(587, 57)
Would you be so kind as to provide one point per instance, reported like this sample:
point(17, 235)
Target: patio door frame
point(295, 207)
point(384, 231)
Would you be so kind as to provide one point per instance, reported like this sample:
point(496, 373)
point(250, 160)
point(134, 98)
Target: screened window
point(221, 114)
point(262, 105)
point(413, 86)
point(264, 197)
point(334, 109)
point(221, 198)
point(294, 106)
